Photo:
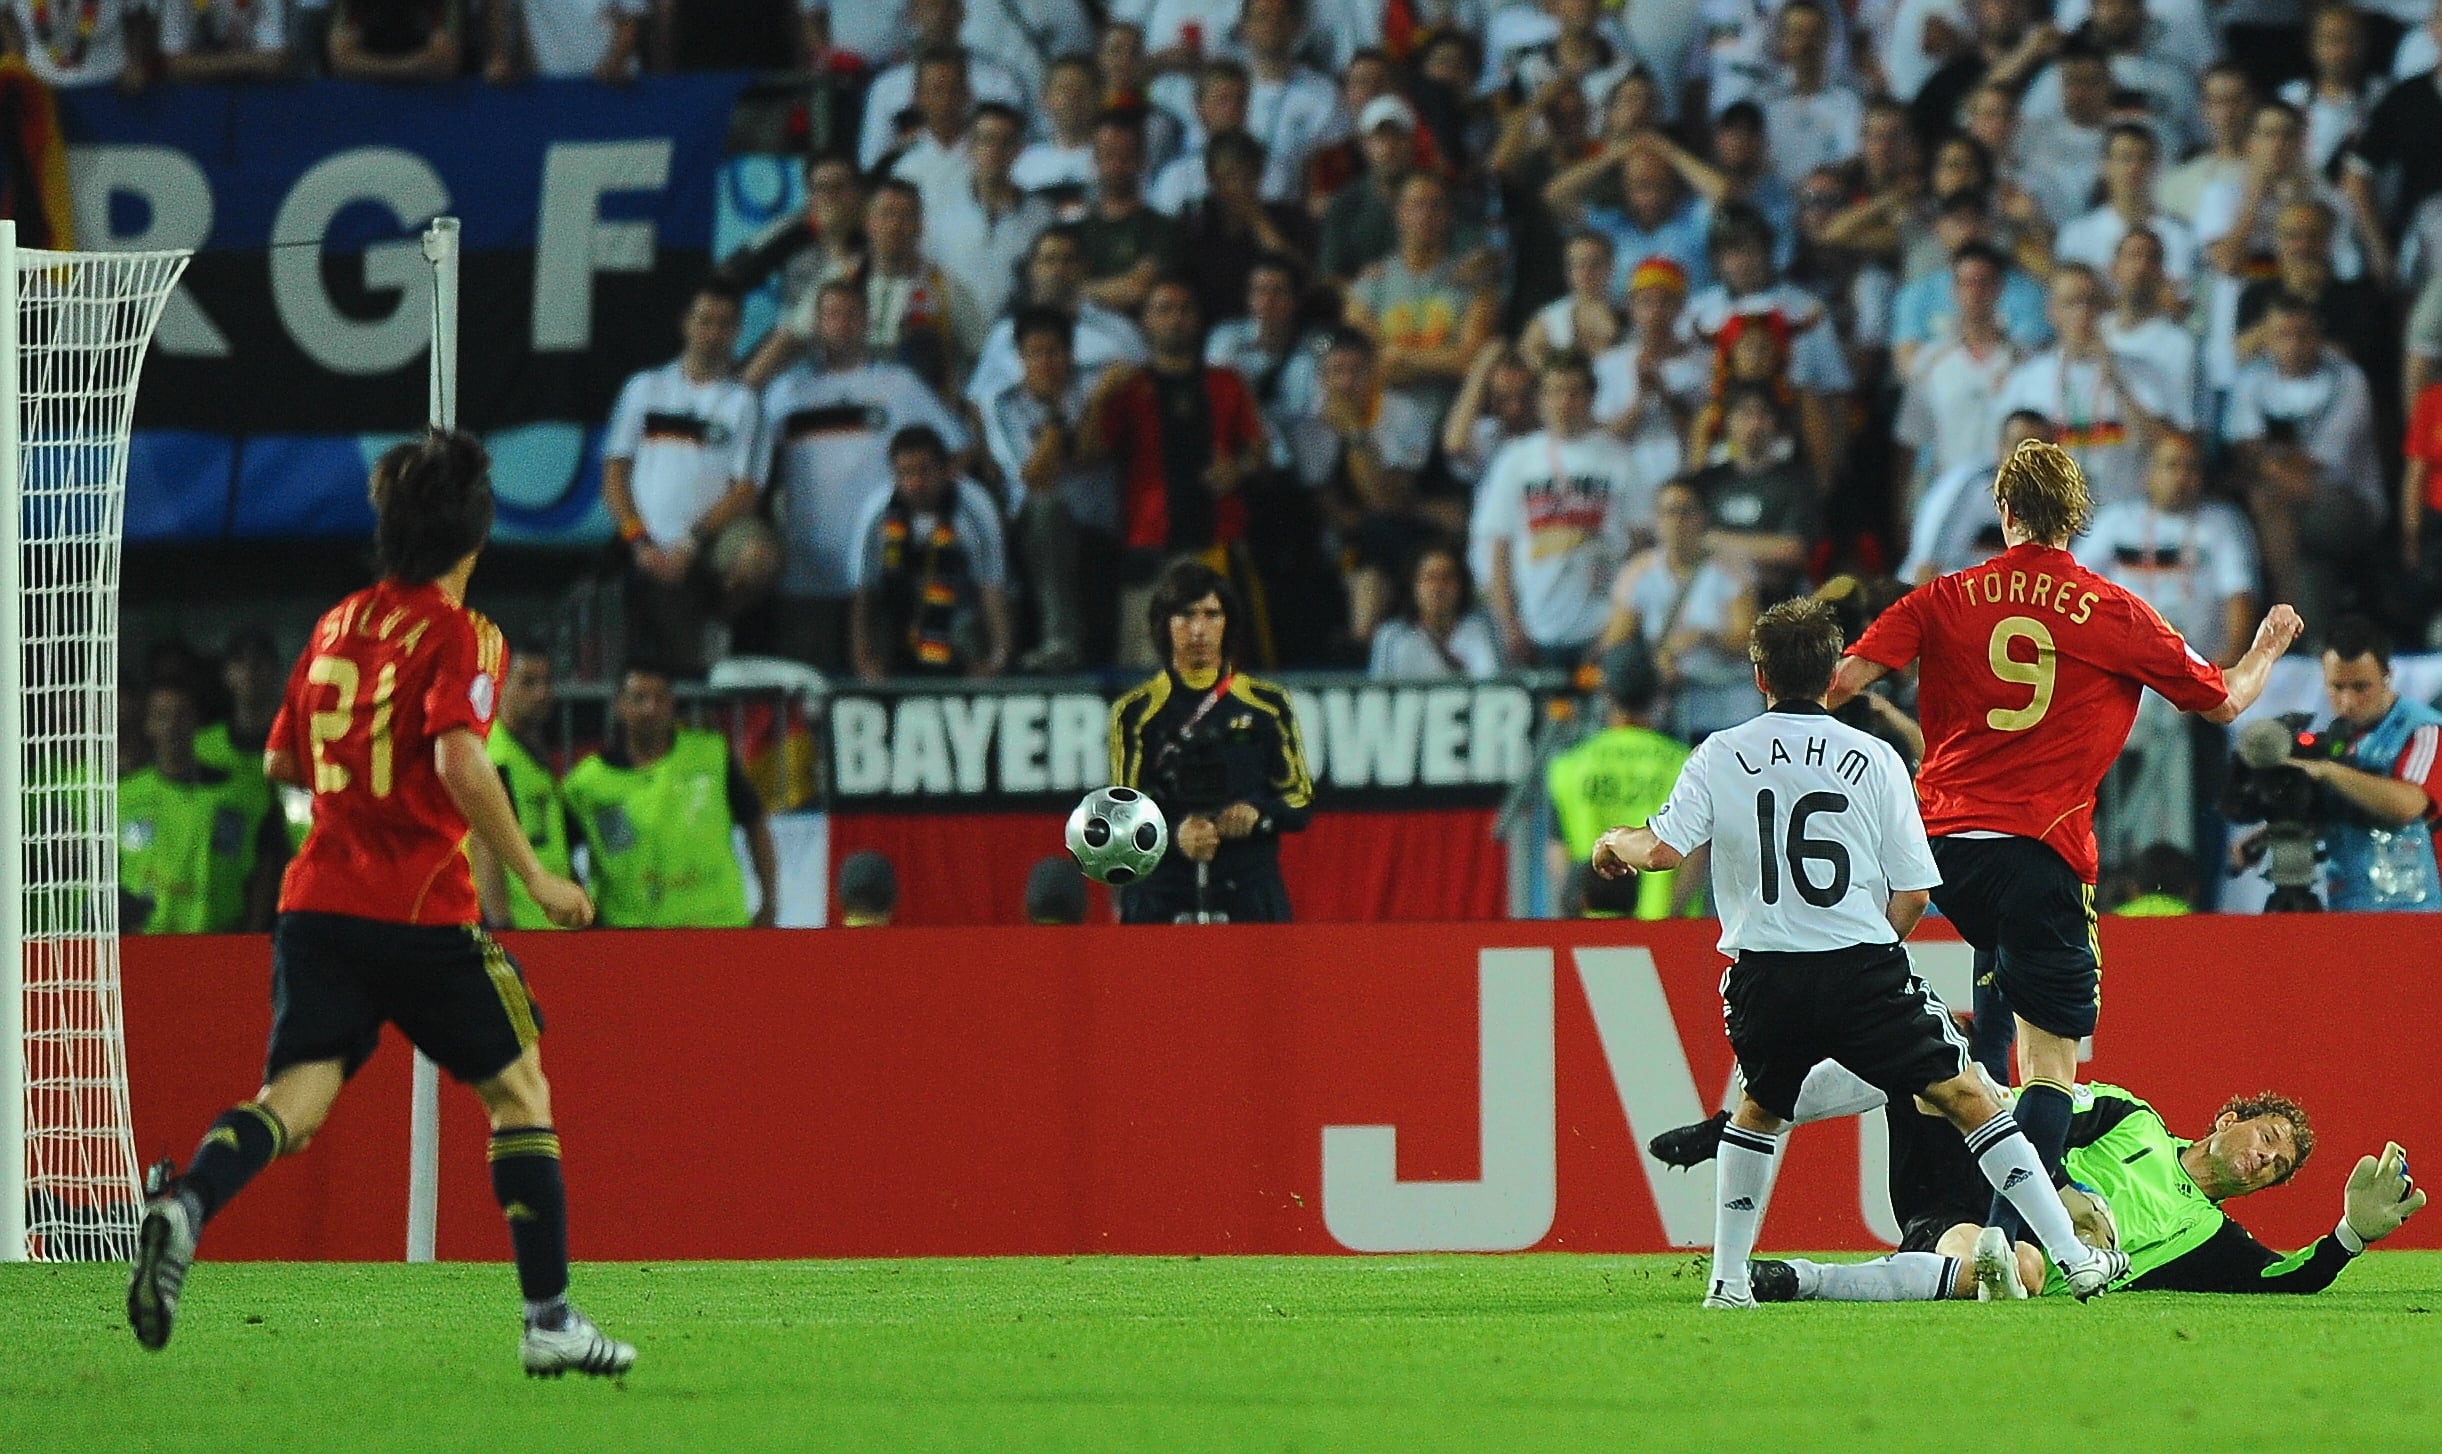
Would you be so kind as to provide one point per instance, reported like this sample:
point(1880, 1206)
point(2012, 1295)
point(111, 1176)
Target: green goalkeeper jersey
point(2177, 1238)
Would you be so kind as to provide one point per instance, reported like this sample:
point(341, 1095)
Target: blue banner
point(296, 348)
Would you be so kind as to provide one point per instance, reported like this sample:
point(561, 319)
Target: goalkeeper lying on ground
point(2134, 1185)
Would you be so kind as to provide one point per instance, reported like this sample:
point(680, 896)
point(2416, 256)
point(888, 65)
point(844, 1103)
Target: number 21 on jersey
point(335, 723)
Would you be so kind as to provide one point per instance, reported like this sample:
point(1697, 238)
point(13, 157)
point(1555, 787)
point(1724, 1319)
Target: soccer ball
point(1117, 835)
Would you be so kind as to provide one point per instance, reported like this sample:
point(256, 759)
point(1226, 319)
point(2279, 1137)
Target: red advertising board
point(1290, 1089)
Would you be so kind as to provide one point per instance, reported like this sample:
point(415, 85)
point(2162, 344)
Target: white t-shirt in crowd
point(1956, 523)
point(64, 51)
point(224, 27)
point(2216, 218)
point(2330, 412)
point(1656, 434)
point(1703, 600)
point(1803, 131)
point(878, 32)
point(830, 434)
point(2090, 419)
point(1741, 789)
point(1104, 336)
point(2169, 349)
point(1014, 419)
point(1402, 438)
point(980, 251)
point(1946, 411)
point(1402, 651)
point(1571, 511)
point(688, 444)
point(2093, 238)
point(973, 515)
point(570, 37)
point(2186, 565)
point(894, 91)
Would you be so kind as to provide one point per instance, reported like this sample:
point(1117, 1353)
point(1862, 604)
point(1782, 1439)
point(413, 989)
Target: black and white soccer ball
point(1117, 836)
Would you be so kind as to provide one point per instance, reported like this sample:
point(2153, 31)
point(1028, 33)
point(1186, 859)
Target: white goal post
point(74, 327)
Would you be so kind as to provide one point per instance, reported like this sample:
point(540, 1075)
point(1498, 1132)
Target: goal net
point(73, 331)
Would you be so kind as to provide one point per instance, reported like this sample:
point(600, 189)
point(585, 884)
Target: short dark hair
point(2354, 636)
point(1797, 645)
point(830, 157)
point(1745, 115)
point(1978, 251)
point(2077, 47)
point(1031, 319)
point(719, 290)
point(249, 641)
point(1075, 60)
point(868, 885)
point(1965, 199)
point(1055, 891)
point(898, 184)
point(919, 438)
point(943, 55)
point(1130, 119)
point(1282, 264)
point(1738, 224)
point(1234, 146)
point(1349, 339)
point(846, 287)
point(1181, 586)
point(432, 505)
point(1222, 69)
point(2289, 303)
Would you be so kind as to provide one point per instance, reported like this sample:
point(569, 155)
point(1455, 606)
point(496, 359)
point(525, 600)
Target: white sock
point(1902, 1277)
point(1831, 1091)
point(2008, 1161)
point(1745, 1176)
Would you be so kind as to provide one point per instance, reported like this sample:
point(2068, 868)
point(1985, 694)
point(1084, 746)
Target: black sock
point(526, 1183)
point(2042, 1113)
point(242, 1142)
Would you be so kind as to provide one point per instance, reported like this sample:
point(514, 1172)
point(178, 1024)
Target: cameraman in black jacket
point(1218, 753)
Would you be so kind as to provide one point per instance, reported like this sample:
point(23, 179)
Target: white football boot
point(1997, 1268)
point(576, 1346)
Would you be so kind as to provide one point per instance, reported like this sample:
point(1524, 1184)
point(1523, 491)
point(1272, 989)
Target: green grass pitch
point(1394, 1353)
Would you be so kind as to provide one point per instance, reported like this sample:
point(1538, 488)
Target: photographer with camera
point(1218, 752)
point(2366, 780)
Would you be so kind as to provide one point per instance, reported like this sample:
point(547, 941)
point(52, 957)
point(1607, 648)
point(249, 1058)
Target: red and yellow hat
point(1658, 272)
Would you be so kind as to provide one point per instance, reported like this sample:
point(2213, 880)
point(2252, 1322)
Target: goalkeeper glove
point(2379, 1198)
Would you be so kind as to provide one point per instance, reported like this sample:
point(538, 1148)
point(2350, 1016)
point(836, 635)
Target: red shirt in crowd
point(1163, 451)
point(2424, 444)
point(388, 671)
point(2032, 668)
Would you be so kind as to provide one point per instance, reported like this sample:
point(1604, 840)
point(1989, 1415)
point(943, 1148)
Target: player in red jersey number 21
point(2031, 669)
point(384, 719)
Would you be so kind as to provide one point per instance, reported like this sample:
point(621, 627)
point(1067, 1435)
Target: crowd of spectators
point(1465, 336)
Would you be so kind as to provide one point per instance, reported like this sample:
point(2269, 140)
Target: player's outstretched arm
point(2246, 680)
point(1854, 676)
point(1633, 850)
point(474, 785)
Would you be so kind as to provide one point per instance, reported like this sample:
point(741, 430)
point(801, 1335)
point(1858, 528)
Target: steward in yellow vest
point(200, 851)
point(656, 811)
point(534, 791)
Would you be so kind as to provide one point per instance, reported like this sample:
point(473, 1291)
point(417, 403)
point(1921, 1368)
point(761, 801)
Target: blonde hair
point(2041, 485)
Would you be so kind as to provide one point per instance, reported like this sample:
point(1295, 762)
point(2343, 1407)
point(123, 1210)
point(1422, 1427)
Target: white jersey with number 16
point(1813, 825)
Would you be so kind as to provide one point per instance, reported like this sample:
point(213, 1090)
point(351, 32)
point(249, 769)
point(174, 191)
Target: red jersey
point(1150, 516)
point(2033, 666)
point(2424, 443)
point(388, 671)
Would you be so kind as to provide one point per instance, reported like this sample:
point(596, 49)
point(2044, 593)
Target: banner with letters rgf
point(297, 344)
point(1367, 743)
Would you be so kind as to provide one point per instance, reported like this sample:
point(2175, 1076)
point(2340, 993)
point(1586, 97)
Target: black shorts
point(1935, 1184)
point(450, 988)
point(1863, 1007)
point(2021, 904)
